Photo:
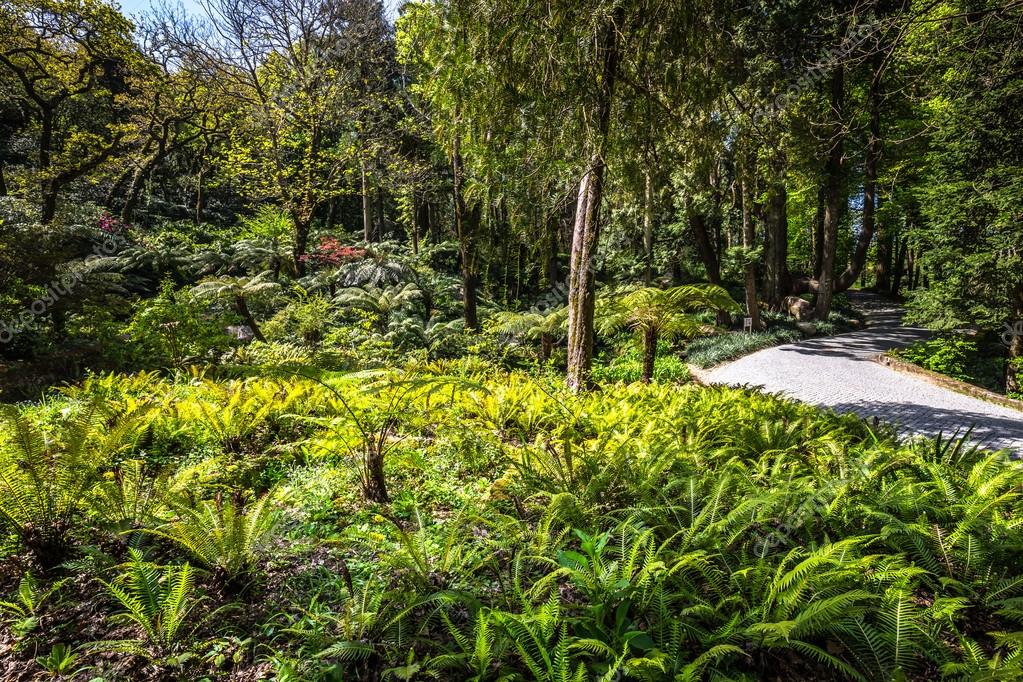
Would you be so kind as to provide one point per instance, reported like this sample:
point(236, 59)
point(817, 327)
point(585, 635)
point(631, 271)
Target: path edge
point(899, 365)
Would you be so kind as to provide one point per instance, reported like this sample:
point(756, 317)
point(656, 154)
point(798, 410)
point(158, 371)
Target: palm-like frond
point(224, 535)
point(158, 601)
point(46, 480)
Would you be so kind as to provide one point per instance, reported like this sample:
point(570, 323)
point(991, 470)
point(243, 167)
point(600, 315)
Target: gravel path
point(837, 372)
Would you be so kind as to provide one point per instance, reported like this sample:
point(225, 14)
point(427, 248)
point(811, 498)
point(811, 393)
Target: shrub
point(945, 355)
point(45, 477)
point(960, 358)
point(158, 602)
point(306, 321)
point(224, 535)
point(628, 367)
point(172, 330)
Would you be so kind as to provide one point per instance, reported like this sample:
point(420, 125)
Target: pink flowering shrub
point(112, 225)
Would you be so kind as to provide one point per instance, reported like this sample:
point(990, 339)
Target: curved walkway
point(838, 372)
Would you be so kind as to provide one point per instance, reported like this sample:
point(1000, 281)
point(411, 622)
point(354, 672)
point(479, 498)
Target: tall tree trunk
point(913, 268)
point(47, 193)
point(833, 197)
point(581, 282)
point(552, 244)
point(898, 266)
point(1013, 371)
point(648, 230)
point(301, 235)
point(331, 214)
point(432, 223)
point(749, 237)
point(776, 251)
point(586, 231)
point(381, 223)
point(466, 227)
point(131, 199)
point(704, 244)
point(885, 267)
point(420, 221)
point(367, 213)
point(200, 196)
point(49, 203)
point(649, 354)
point(818, 234)
point(869, 218)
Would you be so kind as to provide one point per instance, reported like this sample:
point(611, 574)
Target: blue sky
point(137, 7)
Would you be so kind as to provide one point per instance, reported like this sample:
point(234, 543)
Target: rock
point(806, 328)
point(798, 308)
point(241, 332)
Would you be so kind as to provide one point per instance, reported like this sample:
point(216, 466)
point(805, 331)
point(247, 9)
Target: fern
point(224, 535)
point(46, 479)
point(158, 602)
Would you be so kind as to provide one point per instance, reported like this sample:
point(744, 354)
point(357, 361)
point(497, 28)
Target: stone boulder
point(797, 308)
point(806, 328)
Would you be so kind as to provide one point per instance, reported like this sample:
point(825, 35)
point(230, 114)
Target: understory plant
point(645, 532)
point(160, 603)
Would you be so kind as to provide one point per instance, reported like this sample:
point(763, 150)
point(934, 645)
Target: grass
point(709, 351)
point(713, 350)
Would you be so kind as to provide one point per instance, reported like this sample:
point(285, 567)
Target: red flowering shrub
point(331, 252)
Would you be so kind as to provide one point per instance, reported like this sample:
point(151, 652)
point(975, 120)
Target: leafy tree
point(69, 56)
point(971, 196)
point(296, 71)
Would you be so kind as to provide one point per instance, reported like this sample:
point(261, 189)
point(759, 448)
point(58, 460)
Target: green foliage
point(945, 355)
point(45, 477)
point(224, 535)
point(22, 614)
point(268, 222)
point(61, 661)
point(960, 358)
point(714, 350)
point(171, 330)
point(159, 603)
point(649, 532)
point(628, 367)
point(656, 314)
point(306, 321)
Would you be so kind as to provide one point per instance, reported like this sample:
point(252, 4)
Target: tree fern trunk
point(649, 354)
point(376, 483)
point(243, 309)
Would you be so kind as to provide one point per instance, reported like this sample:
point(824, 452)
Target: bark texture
point(586, 230)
